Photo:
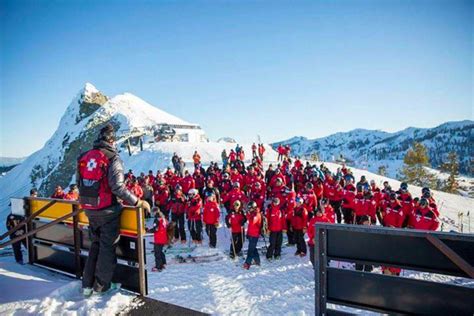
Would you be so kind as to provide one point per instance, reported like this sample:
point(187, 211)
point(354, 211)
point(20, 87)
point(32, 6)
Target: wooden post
point(29, 227)
point(77, 242)
point(141, 253)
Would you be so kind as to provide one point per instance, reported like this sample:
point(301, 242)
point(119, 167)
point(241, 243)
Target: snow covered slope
point(10, 161)
point(370, 149)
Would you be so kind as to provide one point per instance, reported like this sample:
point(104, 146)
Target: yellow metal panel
point(128, 220)
point(55, 211)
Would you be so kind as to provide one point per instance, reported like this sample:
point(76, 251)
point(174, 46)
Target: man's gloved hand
point(144, 205)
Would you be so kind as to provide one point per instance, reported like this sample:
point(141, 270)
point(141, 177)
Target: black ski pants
point(179, 230)
point(195, 229)
point(160, 258)
point(274, 250)
point(211, 231)
point(104, 233)
point(299, 240)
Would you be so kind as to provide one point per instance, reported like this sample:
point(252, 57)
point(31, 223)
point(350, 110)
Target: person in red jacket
point(199, 179)
point(423, 217)
point(177, 206)
point(73, 194)
point(335, 196)
point(359, 205)
point(348, 195)
point(392, 214)
point(254, 219)
point(276, 225)
point(257, 194)
point(232, 156)
point(299, 220)
point(193, 211)
point(235, 220)
point(261, 151)
point(211, 214)
point(405, 199)
point(161, 195)
point(58, 193)
point(234, 195)
point(151, 178)
point(370, 207)
point(310, 199)
point(318, 218)
point(254, 150)
point(187, 183)
point(287, 205)
point(160, 239)
point(328, 210)
point(135, 188)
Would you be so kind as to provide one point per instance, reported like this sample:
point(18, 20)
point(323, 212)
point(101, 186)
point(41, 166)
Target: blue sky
point(239, 68)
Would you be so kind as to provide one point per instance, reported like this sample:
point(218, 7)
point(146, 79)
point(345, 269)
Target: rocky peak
point(89, 101)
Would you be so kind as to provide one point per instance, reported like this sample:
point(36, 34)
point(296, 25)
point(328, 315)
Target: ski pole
point(232, 240)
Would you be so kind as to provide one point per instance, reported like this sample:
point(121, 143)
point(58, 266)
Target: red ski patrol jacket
point(161, 195)
point(211, 213)
point(193, 208)
point(275, 218)
point(299, 219)
point(235, 221)
point(177, 203)
point(160, 236)
point(187, 183)
point(254, 219)
point(423, 218)
point(393, 215)
point(311, 232)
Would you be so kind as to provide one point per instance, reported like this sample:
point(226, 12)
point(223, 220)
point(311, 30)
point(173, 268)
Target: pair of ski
point(180, 259)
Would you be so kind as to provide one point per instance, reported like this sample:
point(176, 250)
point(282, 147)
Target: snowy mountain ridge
point(370, 149)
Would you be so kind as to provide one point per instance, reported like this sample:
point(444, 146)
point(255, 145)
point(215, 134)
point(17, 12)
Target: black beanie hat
point(107, 133)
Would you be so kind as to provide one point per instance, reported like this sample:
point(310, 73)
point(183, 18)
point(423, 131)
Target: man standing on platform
point(100, 179)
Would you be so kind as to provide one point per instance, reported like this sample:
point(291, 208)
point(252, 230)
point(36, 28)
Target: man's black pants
point(237, 242)
point(274, 250)
point(160, 258)
point(179, 230)
point(17, 250)
point(195, 229)
point(104, 230)
point(299, 240)
point(211, 231)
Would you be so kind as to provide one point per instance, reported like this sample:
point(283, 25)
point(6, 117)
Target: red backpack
point(94, 188)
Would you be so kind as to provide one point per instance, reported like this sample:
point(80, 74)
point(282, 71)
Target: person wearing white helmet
point(193, 211)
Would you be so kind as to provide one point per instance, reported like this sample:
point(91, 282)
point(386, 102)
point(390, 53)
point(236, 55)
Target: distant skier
point(100, 180)
point(254, 150)
point(225, 159)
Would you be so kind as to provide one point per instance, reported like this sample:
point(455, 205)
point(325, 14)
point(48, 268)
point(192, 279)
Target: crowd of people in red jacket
point(287, 198)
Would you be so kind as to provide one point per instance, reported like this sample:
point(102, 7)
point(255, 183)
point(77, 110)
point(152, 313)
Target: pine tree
point(382, 170)
point(451, 185)
point(315, 156)
point(414, 171)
